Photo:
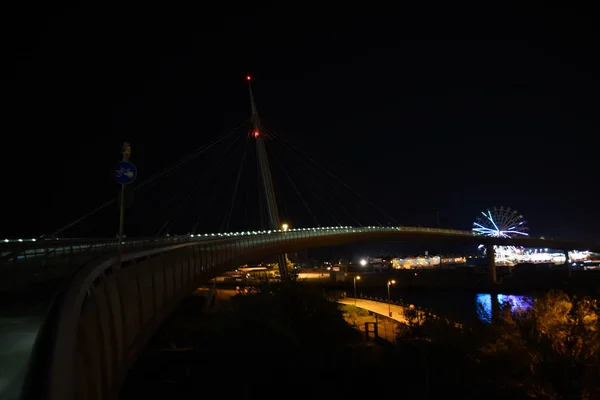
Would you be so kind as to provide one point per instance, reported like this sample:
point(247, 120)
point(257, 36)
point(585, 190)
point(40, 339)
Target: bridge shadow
point(198, 350)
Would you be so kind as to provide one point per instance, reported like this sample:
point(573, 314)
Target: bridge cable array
point(195, 187)
point(309, 162)
point(237, 184)
point(301, 180)
point(154, 178)
point(330, 203)
point(291, 167)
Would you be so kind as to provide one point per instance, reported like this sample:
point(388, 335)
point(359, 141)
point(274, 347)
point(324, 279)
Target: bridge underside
point(99, 325)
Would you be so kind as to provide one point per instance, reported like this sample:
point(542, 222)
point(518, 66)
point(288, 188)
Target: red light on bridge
point(248, 78)
point(255, 133)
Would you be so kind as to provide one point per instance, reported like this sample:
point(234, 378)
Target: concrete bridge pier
point(567, 263)
point(491, 258)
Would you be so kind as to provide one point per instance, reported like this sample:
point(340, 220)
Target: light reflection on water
point(484, 304)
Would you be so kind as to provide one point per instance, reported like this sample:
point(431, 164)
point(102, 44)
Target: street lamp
point(390, 283)
point(285, 227)
point(363, 262)
point(355, 279)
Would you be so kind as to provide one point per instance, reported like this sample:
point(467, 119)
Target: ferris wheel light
point(501, 223)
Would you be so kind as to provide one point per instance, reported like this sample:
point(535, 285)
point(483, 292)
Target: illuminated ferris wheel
point(505, 223)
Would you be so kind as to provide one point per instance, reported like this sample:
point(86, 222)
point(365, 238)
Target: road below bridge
point(378, 307)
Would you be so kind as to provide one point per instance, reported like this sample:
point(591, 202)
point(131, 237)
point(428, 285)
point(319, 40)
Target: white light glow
point(501, 223)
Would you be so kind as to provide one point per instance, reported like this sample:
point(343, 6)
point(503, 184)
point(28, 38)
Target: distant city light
point(363, 262)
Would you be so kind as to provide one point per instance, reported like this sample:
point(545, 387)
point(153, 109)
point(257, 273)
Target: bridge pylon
point(266, 178)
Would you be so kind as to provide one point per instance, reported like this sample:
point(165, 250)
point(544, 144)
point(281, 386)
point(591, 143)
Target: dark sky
point(455, 108)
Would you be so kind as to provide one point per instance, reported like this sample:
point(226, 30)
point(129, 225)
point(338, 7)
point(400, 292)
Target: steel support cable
point(318, 161)
point(196, 186)
point(338, 179)
point(331, 202)
point(189, 157)
point(308, 150)
point(295, 148)
point(237, 182)
point(281, 164)
point(279, 195)
point(187, 198)
point(315, 166)
point(246, 203)
point(216, 189)
point(325, 189)
point(249, 188)
point(181, 196)
point(322, 188)
point(215, 193)
point(298, 193)
point(206, 206)
point(262, 202)
point(154, 177)
point(333, 175)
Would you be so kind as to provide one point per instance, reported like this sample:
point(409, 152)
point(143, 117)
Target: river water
point(460, 307)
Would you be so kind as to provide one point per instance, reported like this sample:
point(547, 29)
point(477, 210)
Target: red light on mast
point(248, 78)
point(255, 133)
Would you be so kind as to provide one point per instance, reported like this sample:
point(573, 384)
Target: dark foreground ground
point(233, 351)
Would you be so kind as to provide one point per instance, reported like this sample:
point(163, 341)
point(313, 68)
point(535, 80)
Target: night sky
point(459, 109)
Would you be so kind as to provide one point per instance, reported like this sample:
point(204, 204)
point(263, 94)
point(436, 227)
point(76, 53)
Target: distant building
point(379, 262)
point(421, 261)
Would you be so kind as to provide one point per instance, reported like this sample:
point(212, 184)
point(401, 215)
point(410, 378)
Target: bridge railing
point(14, 251)
point(24, 249)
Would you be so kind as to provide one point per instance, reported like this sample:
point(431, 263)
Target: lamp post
point(390, 283)
point(355, 279)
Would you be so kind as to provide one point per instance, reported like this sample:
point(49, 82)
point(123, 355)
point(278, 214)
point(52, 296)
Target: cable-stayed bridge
point(110, 294)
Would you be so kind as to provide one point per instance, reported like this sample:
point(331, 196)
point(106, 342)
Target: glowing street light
point(363, 262)
point(356, 278)
point(285, 227)
point(390, 283)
